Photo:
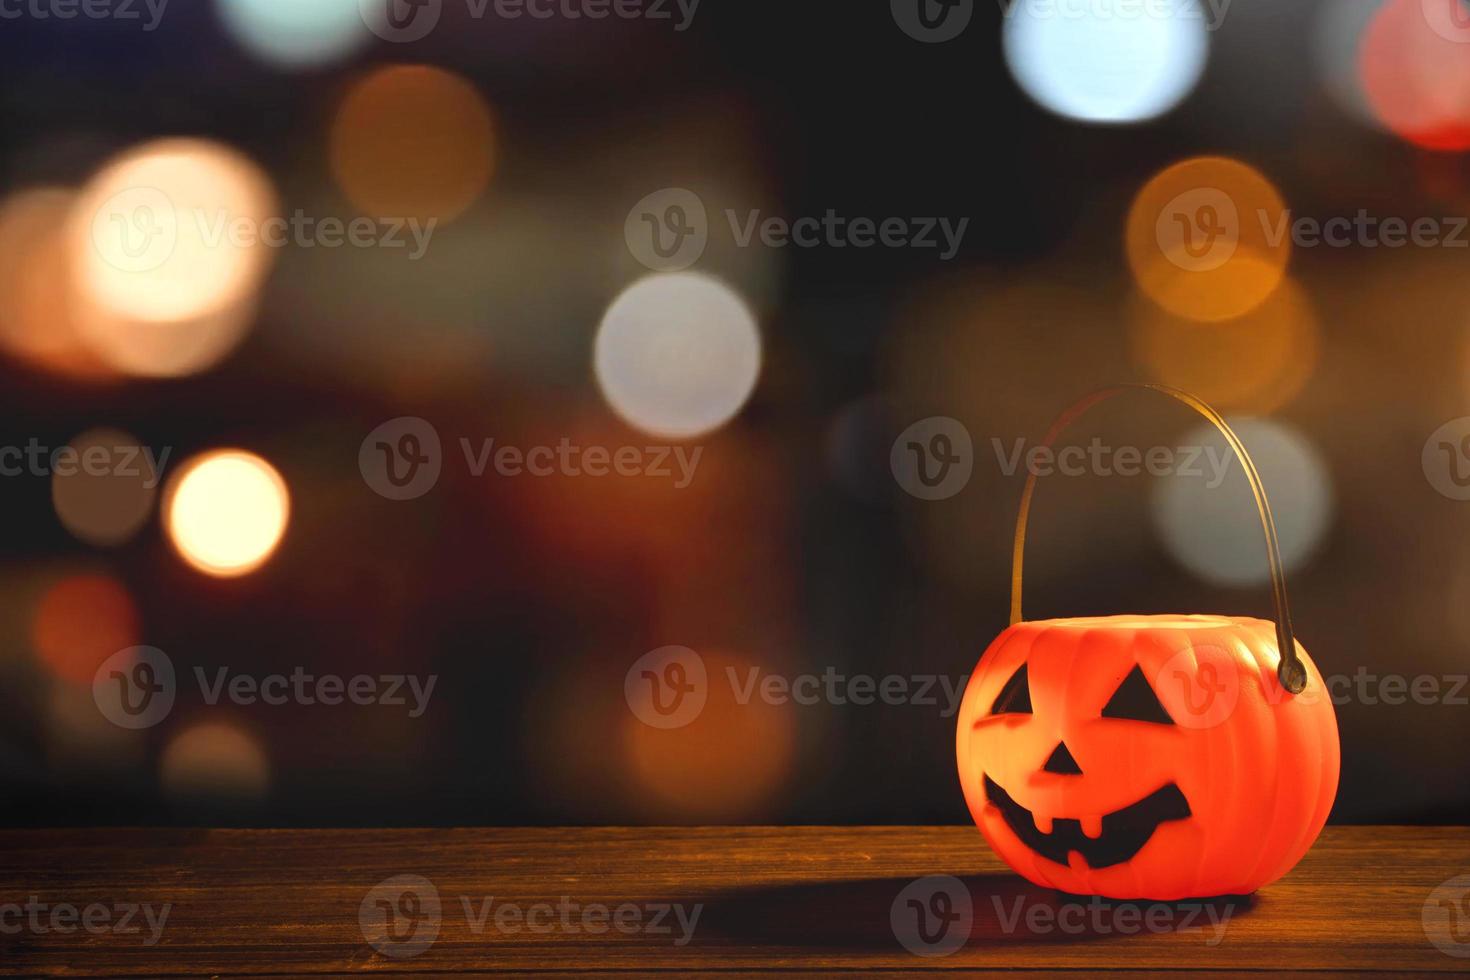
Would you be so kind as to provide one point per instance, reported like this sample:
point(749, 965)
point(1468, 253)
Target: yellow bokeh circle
point(226, 512)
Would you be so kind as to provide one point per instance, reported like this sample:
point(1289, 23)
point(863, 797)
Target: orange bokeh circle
point(413, 142)
point(1208, 238)
point(1254, 363)
point(726, 762)
point(80, 622)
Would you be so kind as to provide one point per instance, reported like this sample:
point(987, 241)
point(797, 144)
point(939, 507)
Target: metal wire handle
point(1289, 671)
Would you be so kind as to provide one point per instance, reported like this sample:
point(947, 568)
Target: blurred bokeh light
point(156, 231)
point(1103, 63)
point(105, 502)
point(1337, 46)
point(1215, 532)
point(127, 312)
point(213, 763)
point(411, 141)
point(1416, 71)
point(1208, 238)
point(296, 33)
point(168, 242)
point(80, 621)
point(677, 355)
point(726, 764)
point(226, 511)
point(81, 744)
point(38, 322)
point(1252, 364)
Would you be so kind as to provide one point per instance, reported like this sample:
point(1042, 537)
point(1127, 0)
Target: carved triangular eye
point(1015, 697)
point(1136, 701)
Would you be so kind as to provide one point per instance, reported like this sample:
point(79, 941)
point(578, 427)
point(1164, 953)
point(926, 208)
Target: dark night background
point(794, 549)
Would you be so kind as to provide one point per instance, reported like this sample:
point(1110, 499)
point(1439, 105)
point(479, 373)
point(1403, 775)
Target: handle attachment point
point(1289, 671)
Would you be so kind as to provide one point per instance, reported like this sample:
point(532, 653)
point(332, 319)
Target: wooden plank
point(291, 902)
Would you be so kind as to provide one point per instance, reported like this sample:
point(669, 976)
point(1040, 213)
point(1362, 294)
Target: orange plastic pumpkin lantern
point(1149, 757)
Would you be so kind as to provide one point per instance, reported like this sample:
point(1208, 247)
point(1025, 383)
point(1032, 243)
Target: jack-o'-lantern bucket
point(1149, 757)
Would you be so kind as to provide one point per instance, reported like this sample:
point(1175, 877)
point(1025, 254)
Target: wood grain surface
point(294, 902)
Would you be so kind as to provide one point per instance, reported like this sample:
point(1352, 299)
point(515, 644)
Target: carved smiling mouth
point(1124, 832)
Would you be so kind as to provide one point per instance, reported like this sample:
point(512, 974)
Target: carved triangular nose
point(1061, 762)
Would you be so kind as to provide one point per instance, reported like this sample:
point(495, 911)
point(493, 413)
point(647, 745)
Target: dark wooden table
point(292, 902)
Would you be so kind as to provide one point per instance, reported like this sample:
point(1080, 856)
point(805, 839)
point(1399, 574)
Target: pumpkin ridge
point(1271, 821)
